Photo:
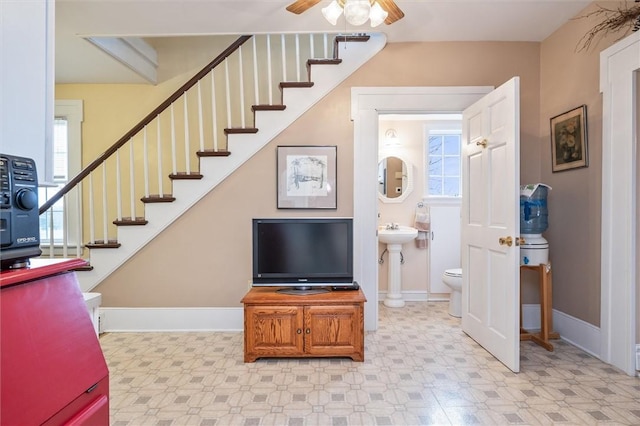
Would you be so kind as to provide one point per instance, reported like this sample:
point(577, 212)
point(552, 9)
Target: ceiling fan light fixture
point(332, 12)
point(356, 12)
point(377, 15)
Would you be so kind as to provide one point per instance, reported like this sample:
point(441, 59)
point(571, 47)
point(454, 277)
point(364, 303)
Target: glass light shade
point(391, 138)
point(332, 12)
point(377, 15)
point(357, 11)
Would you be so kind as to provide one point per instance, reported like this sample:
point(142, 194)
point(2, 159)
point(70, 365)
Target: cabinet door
point(273, 331)
point(444, 247)
point(334, 331)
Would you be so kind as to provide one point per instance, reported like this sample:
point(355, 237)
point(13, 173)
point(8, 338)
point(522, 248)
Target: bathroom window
point(443, 169)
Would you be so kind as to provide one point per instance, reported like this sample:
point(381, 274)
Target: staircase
point(222, 143)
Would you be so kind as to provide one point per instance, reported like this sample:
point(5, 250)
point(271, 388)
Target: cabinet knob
point(308, 331)
point(299, 331)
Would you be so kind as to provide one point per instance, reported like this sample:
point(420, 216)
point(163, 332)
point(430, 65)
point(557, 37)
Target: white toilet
point(453, 278)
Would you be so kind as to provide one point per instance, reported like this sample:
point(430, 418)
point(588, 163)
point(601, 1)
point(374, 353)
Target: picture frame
point(569, 147)
point(306, 177)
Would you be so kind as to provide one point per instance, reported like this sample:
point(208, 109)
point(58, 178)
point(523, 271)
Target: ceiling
point(79, 61)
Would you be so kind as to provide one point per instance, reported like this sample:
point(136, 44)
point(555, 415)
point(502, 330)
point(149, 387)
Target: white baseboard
point(575, 331)
point(171, 319)
point(408, 296)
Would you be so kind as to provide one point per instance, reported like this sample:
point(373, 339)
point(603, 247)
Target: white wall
point(26, 79)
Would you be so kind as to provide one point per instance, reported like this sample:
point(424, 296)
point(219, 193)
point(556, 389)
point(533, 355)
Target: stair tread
point(155, 198)
point(185, 175)
point(268, 107)
point(237, 130)
point(127, 221)
point(302, 84)
point(212, 153)
point(324, 61)
point(102, 244)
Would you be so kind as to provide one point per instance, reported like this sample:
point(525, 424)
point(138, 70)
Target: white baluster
point(118, 192)
point(269, 78)
point(105, 230)
point(311, 46)
point(298, 64)
point(51, 236)
point(79, 221)
point(174, 164)
point(200, 121)
point(65, 226)
point(241, 76)
point(145, 162)
point(256, 87)
point(326, 45)
point(132, 186)
point(284, 57)
point(187, 154)
point(227, 91)
point(92, 236)
point(159, 148)
point(214, 112)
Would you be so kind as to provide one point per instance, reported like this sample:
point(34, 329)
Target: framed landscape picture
point(306, 177)
point(569, 140)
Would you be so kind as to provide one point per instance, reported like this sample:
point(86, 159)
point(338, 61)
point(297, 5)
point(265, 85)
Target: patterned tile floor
point(419, 369)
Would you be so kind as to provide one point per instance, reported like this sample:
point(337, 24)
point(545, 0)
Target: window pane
point(435, 166)
point(60, 158)
point(444, 167)
point(451, 187)
point(435, 186)
point(435, 146)
point(452, 145)
point(452, 166)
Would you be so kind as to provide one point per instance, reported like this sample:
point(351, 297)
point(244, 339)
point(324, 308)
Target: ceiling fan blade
point(395, 13)
point(300, 6)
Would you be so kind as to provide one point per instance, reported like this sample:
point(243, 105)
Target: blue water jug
point(533, 211)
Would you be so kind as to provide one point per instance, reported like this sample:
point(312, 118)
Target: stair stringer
point(215, 169)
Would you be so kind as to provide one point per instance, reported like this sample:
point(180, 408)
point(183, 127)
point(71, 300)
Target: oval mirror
point(395, 179)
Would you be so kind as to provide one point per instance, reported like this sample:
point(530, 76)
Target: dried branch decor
point(625, 18)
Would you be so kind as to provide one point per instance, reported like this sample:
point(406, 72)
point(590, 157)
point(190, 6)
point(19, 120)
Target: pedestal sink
point(394, 239)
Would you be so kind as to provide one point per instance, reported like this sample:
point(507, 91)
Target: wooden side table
point(546, 315)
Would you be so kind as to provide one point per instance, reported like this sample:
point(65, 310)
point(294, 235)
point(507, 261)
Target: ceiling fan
point(356, 12)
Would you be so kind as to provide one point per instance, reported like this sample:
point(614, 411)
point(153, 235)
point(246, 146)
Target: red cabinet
point(52, 370)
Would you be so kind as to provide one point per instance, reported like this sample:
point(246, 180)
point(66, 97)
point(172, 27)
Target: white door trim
point(366, 104)
point(619, 204)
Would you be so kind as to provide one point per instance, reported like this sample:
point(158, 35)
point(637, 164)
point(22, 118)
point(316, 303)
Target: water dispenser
point(534, 220)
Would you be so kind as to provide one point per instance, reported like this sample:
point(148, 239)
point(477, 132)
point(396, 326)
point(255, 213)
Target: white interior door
point(490, 216)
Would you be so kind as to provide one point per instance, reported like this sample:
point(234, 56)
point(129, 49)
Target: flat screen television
point(299, 254)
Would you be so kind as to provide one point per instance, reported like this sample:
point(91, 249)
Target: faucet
point(392, 226)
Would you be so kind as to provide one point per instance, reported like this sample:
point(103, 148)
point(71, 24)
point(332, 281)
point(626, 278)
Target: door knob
point(483, 143)
point(520, 241)
point(505, 240)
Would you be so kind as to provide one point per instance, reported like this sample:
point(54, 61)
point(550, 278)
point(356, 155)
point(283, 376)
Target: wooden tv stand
point(278, 325)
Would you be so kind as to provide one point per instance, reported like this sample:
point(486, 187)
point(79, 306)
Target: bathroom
point(402, 194)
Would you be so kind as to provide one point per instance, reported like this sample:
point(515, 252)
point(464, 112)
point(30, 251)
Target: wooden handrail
point(152, 115)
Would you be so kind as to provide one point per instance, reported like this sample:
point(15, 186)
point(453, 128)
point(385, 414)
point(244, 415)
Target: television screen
point(302, 252)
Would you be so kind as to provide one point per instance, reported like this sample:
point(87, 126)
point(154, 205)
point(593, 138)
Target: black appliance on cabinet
point(19, 216)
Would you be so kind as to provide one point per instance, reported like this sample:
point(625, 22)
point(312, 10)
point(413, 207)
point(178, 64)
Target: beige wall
point(569, 79)
point(204, 258)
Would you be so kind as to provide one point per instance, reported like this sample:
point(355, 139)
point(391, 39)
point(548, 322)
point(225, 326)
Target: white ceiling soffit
point(132, 52)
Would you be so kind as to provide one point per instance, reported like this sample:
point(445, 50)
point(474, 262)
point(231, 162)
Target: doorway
point(367, 103)
point(619, 321)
